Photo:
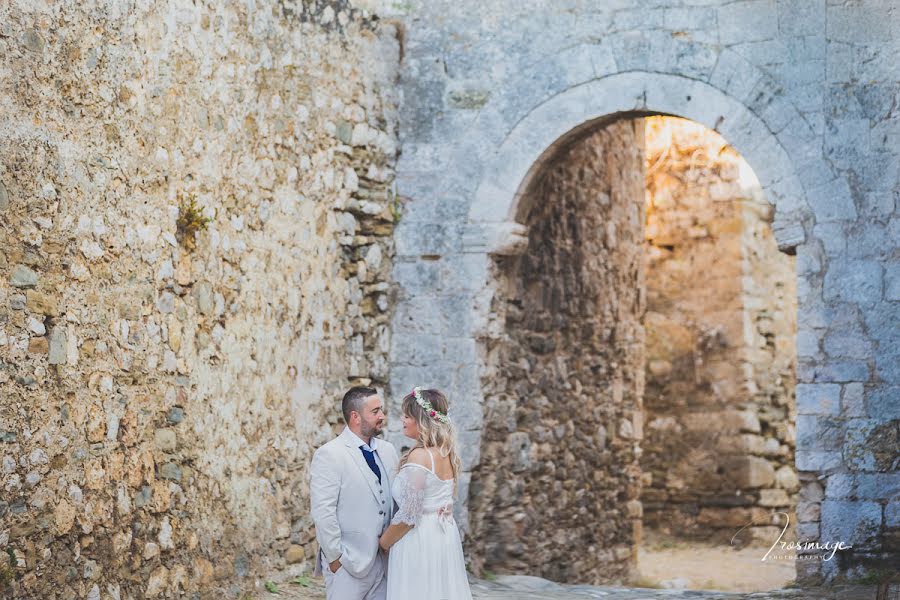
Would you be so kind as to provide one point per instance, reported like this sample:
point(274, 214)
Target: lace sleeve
point(410, 495)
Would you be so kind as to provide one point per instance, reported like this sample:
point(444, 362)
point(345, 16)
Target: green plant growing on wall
point(190, 221)
point(7, 568)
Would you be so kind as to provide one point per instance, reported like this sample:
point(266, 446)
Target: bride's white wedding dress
point(427, 563)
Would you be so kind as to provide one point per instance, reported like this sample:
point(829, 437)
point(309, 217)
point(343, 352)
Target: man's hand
point(335, 565)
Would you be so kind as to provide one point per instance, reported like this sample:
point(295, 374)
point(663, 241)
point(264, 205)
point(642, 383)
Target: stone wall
point(805, 91)
point(556, 493)
point(164, 383)
point(721, 325)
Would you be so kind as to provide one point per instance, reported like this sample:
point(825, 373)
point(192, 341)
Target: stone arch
point(496, 213)
point(559, 119)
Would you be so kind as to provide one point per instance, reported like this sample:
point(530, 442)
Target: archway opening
point(639, 374)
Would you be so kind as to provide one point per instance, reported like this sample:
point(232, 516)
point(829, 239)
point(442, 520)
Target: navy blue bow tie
point(370, 459)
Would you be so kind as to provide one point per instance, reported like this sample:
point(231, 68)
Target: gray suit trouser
point(343, 586)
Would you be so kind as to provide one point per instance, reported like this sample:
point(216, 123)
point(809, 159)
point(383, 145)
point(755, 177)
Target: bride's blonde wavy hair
point(432, 432)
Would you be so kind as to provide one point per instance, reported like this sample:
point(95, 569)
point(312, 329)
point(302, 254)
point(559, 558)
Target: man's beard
point(372, 431)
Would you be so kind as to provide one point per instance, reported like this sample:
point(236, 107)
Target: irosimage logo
point(804, 550)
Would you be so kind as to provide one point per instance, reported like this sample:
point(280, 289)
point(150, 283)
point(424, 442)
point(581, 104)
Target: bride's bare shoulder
point(419, 456)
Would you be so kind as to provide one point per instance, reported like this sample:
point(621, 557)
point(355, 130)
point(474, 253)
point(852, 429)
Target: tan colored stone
point(115, 464)
point(64, 517)
point(151, 550)
point(157, 583)
point(183, 270)
point(42, 304)
point(751, 472)
point(294, 554)
point(94, 475)
point(96, 424)
point(178, 579)
point(773, 497)
point(122, 542)
point(165, 439)
point(786, 478)
point(161, 499)
point(38, 345)
point(203, 571)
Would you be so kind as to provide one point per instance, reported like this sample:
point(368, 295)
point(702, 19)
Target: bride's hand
point(381, 544)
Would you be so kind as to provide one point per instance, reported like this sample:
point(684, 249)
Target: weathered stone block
point(750, 472)
point(887, 362)
point(808, 512)
point(892, 281)
point(841, 344)
point(853, 281)
point(818, 399)
point(855, 523)
point(38, 345)
point(817, 460)
point(773, 498)
point(870, 444)
point(42, 304)
point(57, 346)
point(294, 554)
point(165, 440)
point(877, 486)
point(842, 371)
point(23, 277)
point(853, 400)
point(786, 478)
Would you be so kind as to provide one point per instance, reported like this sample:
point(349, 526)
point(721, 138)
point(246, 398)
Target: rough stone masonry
point(195, 242)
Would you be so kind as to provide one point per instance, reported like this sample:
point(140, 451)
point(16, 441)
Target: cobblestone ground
point(533, 588)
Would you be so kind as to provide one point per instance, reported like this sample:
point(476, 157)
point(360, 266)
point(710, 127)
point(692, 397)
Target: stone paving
point(534, 588)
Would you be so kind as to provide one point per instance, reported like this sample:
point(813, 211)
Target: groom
point(350, 495)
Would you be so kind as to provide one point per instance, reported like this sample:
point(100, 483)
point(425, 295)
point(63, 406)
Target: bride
point(426, 559)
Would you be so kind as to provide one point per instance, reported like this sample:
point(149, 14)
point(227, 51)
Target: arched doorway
point(564, 382)
point(558, 492)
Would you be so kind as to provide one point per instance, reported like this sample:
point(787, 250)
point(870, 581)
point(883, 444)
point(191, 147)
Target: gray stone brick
point(858, 21)
point(846, 141)
point(841, 344)
point(818, 399)
point(883, 322)
point(841, 371)
point(853, 400)
point(833, 237)
point(887, 362)
point(748, 21)
point(892, 515)
point(869, 240)
point(416, 350)
point(853, 281)
point(734, 74)
point(840, 486)
point(817, 460)
point(801, 17)
point(832, 200)
point(884, 402)
point(892, 281)
point(418, 277)
point(427, 239)
point(858, 452)
point(855, 523)
point(807, 344)
point(879, 487)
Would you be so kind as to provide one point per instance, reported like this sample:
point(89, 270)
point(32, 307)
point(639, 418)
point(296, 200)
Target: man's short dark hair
point(353, 400)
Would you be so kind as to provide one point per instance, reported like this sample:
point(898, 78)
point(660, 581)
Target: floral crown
point(430, 410)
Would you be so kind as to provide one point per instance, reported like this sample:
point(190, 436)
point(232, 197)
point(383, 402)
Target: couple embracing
point(385, 523)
